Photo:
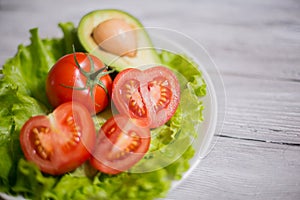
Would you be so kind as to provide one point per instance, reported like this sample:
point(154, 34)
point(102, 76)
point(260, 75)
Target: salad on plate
point(99, 113)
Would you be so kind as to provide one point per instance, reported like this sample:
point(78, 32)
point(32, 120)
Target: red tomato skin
point(153, 118)
point(64, 81)
point(106, 142)
point(64, 158)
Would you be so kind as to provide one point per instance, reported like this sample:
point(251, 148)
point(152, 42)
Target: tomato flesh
point(134, 98)
point(120, 145)
point(60, 142)
point(159, 94)
point(150, 96)
point(68, 82)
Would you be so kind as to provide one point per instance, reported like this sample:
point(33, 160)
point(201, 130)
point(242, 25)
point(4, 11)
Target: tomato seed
point(44, 155)
point(40, 150)
point(127, 86)
point(128, 95)
point(132, 147)
point(133, 134)
point(133, 103)
point(71, 143)
point(111, 130)
point(163, 99)
point(76, 134)
point(70, 119)
point(35, 131)
point(135, 143)
point(163, 90)
point(76, 139)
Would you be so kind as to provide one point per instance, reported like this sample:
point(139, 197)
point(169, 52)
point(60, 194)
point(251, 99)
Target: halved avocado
point(145, 53)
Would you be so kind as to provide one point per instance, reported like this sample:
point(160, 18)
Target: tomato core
point(132, 95)
point(159, 93)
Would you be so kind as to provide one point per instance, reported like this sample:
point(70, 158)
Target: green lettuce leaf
point(187, 68)
point(22, 95)
point(30, 181)
point(15, 109)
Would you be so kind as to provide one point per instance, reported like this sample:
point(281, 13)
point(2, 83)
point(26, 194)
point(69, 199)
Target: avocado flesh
point(145, 54)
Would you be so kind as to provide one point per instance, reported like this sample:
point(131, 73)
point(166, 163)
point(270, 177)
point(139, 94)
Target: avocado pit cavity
point(116, 36)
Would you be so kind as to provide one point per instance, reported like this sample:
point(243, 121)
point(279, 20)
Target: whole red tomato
point(79, 77)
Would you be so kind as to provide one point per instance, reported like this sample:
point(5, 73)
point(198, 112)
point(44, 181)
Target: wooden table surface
point(256, 46)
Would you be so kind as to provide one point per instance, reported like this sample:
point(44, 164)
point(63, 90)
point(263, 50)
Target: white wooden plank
point(237, 169)
point(259, 109)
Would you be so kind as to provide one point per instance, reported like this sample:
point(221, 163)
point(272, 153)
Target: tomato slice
point(61, 141)
point(120, 145)
point(150, 96)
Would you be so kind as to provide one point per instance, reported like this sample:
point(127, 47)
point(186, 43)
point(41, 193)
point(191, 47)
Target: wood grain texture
point(256, 46)
point(238, 169)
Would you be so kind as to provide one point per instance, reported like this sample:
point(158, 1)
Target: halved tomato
point(61, 141)
point(120, 145)
point(150, 96)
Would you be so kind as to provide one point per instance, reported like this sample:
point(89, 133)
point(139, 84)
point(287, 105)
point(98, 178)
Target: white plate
point(214, 101)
